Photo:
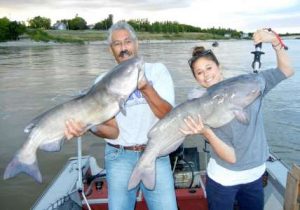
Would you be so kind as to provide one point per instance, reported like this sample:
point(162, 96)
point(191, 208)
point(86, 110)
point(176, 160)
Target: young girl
point(238, 151)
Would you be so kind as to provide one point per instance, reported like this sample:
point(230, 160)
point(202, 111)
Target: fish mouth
point(245, 100)
point(252, 96)
point(255, 93)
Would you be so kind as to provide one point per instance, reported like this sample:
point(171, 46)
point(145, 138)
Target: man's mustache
point(123, 53)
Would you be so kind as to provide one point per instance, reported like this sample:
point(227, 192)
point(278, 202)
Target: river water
point(35, 76)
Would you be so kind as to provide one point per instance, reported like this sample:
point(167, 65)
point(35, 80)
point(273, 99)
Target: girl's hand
point(265, 36)
point(193, 127)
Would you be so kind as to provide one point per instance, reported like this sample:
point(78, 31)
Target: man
point(126, 136)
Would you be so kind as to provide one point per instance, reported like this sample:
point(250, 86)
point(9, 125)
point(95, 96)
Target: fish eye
point(219, 98)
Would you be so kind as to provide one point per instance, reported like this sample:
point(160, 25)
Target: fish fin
point(241, 116)
point(149, 178)
point(144, 174)
point(16, 166)
point(83, 92)
point(53, 146)
point(141, 72)
point(29, 127)
point(36, 120)
point(122, 106)
point(135, 178)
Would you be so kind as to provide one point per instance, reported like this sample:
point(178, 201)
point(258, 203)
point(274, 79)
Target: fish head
point(239, 91)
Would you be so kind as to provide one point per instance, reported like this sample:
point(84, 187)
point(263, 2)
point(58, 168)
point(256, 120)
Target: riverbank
point(82, 36)
point(94, 35)
point(86, 36)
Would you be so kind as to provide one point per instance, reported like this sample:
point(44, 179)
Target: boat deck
point(189, 199)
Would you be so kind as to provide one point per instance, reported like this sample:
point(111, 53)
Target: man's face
point(123, 46)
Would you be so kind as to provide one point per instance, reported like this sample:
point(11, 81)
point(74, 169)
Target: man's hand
point(74, 129)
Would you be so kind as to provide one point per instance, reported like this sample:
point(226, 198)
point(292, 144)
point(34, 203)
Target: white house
point(60, 26)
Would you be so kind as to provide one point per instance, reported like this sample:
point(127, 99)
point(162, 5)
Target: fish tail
point(16, 166)
point(143, 173)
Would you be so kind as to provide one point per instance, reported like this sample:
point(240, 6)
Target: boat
point(81, 184)
point(87, 188)
point(215, 44)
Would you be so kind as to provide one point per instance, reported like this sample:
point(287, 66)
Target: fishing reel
point(256, 64)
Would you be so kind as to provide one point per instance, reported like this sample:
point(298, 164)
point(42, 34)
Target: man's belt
point(137, 148)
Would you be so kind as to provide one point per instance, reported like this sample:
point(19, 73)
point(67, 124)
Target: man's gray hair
point(121, 25)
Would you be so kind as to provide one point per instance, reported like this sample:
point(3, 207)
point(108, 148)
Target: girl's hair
point(121, 25)
point(199, 52)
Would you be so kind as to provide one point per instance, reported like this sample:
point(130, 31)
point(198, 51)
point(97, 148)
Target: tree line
point(12, 30)
point(175, 27)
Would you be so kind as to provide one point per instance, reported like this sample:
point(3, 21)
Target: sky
point(282, 16)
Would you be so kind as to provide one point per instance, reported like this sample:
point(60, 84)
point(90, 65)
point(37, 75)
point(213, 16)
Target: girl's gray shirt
point(248, 140)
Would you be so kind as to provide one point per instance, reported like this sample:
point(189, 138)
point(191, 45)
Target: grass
point(84, 35)
point(81, 36)
point(40, 35)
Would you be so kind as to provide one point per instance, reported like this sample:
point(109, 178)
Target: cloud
point(279, 22)
point(145, 5)
point(243, 15)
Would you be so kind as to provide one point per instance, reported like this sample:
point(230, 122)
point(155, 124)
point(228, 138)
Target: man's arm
point(161, 98)
point(109, 129)
point(159, 106)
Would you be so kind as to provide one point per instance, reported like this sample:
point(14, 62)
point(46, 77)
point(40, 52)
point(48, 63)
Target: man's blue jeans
point(119, 164)
point(248, 196)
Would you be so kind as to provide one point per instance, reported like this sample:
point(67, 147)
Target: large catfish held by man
point(101, 102)
point(220, 104)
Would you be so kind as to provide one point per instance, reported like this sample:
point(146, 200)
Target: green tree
point(10, 30)
point(156, 27)
point(77, 23)
point(40, 22)
point(4, 31)
point(104, 24)
point(16, 29)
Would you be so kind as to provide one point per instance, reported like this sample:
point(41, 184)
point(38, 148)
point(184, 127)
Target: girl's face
point(207, 72)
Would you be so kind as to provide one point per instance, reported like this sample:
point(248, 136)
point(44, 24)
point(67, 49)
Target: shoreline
point(83, 36)
point(26, 41)
point(46, 37)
